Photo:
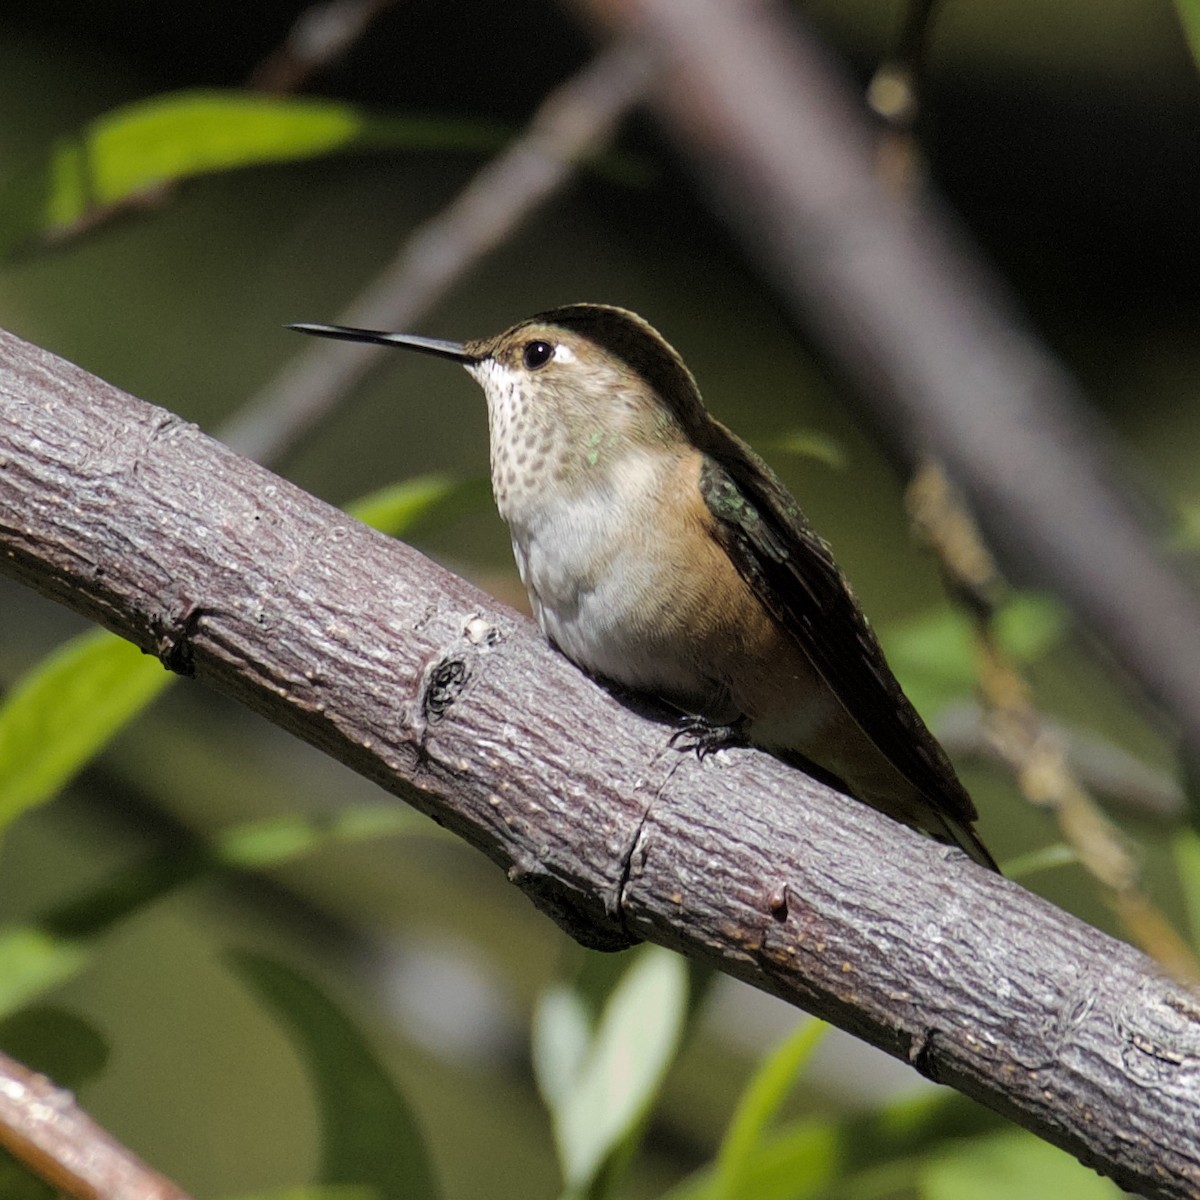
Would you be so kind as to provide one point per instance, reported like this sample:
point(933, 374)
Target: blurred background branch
point(909, 314)
point(575, 120)
point(41, 1125)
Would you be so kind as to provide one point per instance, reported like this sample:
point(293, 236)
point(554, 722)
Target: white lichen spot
point(479, 631)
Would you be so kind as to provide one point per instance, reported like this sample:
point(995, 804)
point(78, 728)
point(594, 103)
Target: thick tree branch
point(903, 305)
point(420, 682)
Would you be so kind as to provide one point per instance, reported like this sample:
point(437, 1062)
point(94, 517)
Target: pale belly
point(605, 590)
point(604, 608)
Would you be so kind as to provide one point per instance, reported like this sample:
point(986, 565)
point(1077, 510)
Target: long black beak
point(451, 350)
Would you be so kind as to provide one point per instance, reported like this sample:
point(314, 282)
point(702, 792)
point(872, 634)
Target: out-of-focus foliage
point(598, 1083)
point(131, 151)
point(369, 1135)
point(65, 710)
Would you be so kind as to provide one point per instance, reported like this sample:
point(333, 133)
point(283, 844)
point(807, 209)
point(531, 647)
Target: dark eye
point(537, 354)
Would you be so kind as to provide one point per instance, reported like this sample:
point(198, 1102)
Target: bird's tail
point(963, 836)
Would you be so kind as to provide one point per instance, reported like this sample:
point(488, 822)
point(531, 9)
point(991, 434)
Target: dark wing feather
point(794, 574)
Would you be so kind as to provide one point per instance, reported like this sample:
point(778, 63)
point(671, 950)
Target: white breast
point(598, 575)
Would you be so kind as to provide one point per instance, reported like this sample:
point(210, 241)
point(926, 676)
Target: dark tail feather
point(963, 836)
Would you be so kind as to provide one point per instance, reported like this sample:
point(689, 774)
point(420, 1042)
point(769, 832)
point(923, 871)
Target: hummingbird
point(662, 554)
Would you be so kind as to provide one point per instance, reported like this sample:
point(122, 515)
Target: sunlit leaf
point(635, 1041)
point(396, 509)
point(1189, 18)
point(134, 149)
point(65, 710)
point(32, 962)
point(759, 1106)
point(180, 135)
point(369, 1135)
point(1004, 1165)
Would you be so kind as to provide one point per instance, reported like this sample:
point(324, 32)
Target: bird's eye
point(537, 354)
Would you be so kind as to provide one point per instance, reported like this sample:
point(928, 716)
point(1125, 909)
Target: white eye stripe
point(564, 353)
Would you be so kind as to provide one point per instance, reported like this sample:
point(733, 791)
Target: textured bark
point(417, 680)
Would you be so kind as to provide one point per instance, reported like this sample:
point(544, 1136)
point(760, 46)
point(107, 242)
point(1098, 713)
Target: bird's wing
point(793, 573)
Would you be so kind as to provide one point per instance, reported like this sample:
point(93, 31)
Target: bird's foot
point(705, 737)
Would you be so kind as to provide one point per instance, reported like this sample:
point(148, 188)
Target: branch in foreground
point(412, 677)
point(43, 1127)
point(911, 316)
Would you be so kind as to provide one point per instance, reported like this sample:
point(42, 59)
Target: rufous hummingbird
point(662, 554)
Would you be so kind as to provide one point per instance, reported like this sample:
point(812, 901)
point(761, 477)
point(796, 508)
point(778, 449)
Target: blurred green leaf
point(848, 1155)
point(561, 1033)
point(180, 135)
point(64, 710)
point(273, 841)
point(934, 655)
point(166, 139)
point(758, 1108)
point(55, 1043)
point(807, 443)
point(396, 509)
point(1189, 18)
point(616, 1080)
point(1186, 847)
point(36, 959)
point(1046, 858)
point(1001, 1166)
point(369, 1134)
point(1185, 538)
point(802, 1161)
point(32, 962)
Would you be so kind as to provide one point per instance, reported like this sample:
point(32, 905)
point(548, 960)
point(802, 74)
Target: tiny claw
point(706, 737)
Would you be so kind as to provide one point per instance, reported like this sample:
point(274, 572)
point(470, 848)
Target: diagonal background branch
point(901, 304)
point(421, 683)
point(575, 120)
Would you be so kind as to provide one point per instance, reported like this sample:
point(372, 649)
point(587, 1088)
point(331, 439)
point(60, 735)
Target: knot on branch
point(173, 639)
